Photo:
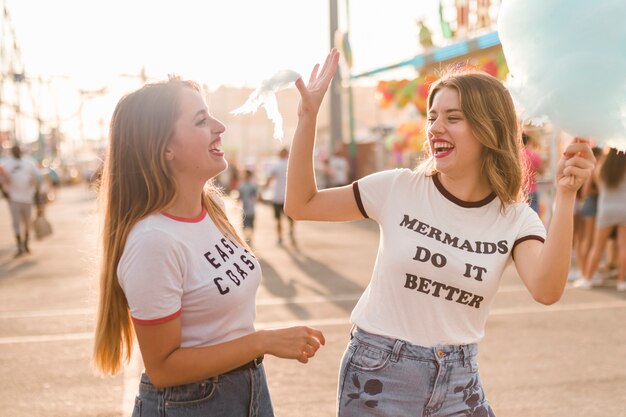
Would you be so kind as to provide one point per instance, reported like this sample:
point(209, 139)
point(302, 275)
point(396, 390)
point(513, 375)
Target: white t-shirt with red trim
point(439, 259)
point(175, 267)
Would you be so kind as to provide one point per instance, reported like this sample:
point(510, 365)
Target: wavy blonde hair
point(136, 182)
point(489, 109)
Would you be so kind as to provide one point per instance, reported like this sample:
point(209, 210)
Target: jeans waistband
point(254, 363)
point(406, 349)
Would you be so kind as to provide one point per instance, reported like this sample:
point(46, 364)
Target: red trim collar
point(186, 219)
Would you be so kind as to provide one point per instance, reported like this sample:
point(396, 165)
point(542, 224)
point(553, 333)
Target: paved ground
point(567, 360)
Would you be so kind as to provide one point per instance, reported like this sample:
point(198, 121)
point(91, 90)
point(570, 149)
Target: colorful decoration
point(446, 30)
point(425, 35)
point(408, 136)
point(404, 92)
point(342, 43)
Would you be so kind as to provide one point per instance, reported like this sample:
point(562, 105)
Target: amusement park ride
point(21, 99)
point(29, 104)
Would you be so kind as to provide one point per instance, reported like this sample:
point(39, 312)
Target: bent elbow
point(291, 212)
point(158, 379)
point(288, 211)
point(547, 299)
point(295, 217)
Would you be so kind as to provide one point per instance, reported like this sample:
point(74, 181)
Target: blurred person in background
point(277, 181)
point(3, 186)
point(248, 194)
point(44, 193)
point(533, 166)
point(611, 264)
point(585, 219)
point(611, 214)
point(339, 170)
point(174, 273)
point(20, 178)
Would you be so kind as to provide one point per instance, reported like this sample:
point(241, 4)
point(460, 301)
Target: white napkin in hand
point(265, 95)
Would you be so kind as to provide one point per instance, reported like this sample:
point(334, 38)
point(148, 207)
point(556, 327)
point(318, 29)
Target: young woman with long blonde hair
point(175, 274)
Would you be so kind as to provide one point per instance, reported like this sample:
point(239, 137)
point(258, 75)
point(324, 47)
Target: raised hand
point(575, 166)
point(312, 94)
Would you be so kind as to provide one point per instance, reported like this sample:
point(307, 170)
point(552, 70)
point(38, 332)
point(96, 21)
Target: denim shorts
point(590, 206)
point(241, 393)
point(380, 376)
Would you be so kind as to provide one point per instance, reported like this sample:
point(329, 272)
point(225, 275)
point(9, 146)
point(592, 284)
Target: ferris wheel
point(15, 91)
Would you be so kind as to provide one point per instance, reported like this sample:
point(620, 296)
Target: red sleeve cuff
point(159, 320)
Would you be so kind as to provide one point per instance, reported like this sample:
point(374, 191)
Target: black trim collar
point(458, 201)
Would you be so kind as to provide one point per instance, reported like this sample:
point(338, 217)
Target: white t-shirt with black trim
point(175, 267)
point(439, 259)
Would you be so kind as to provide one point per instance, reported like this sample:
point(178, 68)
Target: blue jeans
point(380, 376)
point(236, 394)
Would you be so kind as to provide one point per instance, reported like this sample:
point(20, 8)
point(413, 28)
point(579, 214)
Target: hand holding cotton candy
point(265, 95)
point(567, 61)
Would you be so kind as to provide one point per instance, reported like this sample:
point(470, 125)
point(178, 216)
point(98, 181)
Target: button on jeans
point(380, 376)
point(236, 394)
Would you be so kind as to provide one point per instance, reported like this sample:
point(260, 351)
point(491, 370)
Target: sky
point(72, 45)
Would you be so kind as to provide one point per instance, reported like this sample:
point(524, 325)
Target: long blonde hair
point(136, 182)
point(489, 109)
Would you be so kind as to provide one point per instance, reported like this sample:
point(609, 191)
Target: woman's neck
point(187, 203)
point(468, 188)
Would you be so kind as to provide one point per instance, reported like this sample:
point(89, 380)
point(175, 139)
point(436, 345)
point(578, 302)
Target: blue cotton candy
point(567, 62)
